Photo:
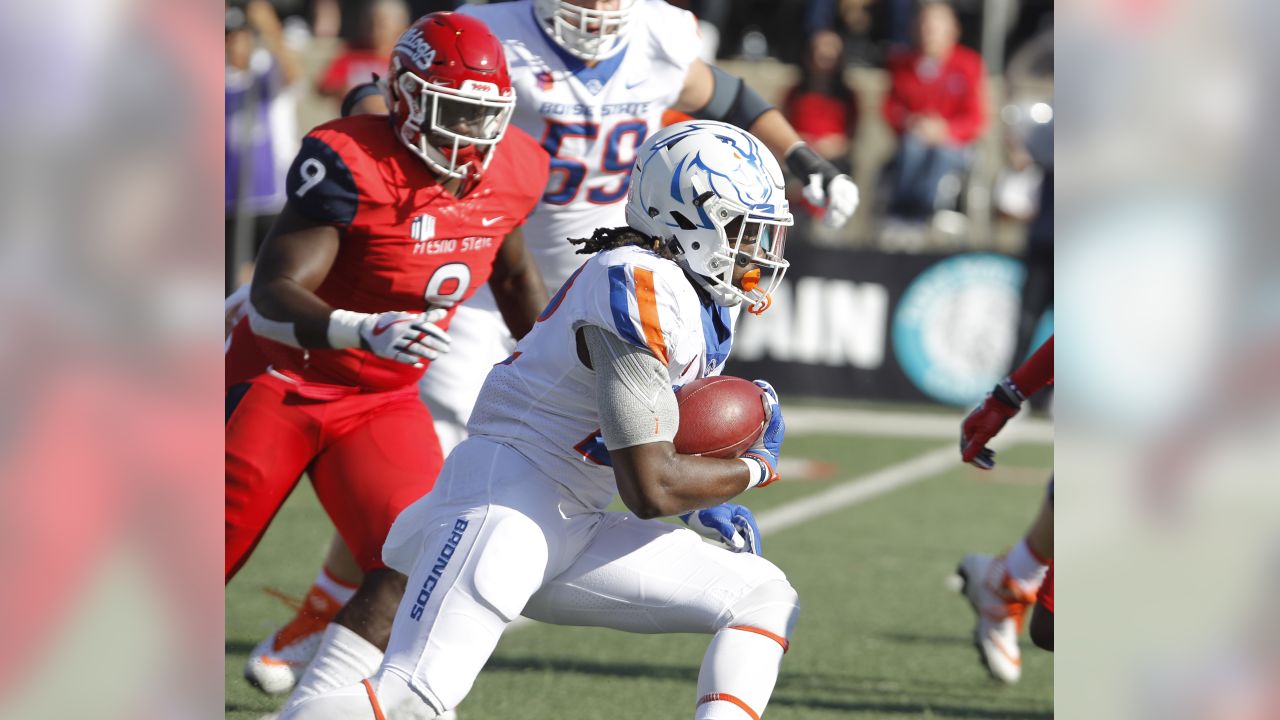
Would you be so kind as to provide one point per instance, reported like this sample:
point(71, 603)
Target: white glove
point(405, 337)
point(408, 338)
point(839, 197)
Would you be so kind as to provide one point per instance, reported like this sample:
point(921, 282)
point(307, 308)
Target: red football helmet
point(449, 92)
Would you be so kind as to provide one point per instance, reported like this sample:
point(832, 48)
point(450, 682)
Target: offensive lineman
point(391, 222)
point(592, 79)
point(583, 410)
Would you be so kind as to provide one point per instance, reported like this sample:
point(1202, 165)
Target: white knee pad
point(511, 564)
point(772, 606)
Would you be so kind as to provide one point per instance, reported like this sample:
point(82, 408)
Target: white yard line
point(880, 423)
point(859, 489)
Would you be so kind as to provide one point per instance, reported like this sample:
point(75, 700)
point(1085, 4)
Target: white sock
point(344, 658)
point(1024, 567)
point(337, 589)
point(740, 668)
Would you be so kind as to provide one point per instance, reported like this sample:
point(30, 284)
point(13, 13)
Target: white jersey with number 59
point(589, 119)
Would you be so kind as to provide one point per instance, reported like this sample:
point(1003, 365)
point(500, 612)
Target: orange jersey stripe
point(726, 697)
point(649, 322)
point(761, 631)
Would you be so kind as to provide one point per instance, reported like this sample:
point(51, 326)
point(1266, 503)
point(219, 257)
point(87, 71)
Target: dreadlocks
point(609, 238)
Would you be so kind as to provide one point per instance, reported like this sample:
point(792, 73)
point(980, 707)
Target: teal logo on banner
point(955, 326)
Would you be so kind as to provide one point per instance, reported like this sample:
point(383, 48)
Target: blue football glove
point(731, 525)
point(768, 447)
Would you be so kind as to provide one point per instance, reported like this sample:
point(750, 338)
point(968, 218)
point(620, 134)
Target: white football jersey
point(590, 120)
point(541, 401)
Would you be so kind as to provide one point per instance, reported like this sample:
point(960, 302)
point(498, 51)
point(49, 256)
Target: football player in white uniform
point(583, 410)
point(592, 80)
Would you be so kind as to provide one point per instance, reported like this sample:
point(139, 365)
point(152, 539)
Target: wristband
point(759, 471)
point(1006, 392)
point(344, 329)
point(802, 161)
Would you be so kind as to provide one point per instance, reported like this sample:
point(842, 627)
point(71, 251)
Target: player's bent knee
point(770, 609)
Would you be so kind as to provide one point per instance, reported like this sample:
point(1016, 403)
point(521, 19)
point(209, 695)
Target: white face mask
point(453, 130)
point(586, 33)
point(747, 238)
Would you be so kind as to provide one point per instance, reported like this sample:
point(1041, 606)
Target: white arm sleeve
point(633, 392)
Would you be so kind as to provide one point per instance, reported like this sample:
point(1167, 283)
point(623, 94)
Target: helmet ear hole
point(697, 245)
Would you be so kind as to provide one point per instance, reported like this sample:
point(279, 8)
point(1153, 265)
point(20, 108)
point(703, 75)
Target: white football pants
point(496, 538)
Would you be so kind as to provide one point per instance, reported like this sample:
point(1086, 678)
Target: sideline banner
point(857, 324)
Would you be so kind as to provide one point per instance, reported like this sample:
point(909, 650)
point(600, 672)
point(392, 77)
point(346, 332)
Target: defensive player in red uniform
point(391, 222)
point(1001, 589)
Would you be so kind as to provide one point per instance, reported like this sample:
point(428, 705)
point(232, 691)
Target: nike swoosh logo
point(691, 362)
point(489, 221)
point(631, 85)
point(379, 329)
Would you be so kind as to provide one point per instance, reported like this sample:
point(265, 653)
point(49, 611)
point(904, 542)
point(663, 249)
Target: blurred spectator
point(822, 107)
point(261, 119)
point(1028, 132)
point(382, 24)
point(935, 105)
point(1037, 288)
point(856, 22)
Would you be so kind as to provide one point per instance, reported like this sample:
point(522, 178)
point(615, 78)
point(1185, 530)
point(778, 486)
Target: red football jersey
point(407, 243)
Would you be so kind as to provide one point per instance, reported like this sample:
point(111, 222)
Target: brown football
point(719, 416)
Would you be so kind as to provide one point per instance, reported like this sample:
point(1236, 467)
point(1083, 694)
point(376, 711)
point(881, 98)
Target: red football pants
point(369, 455)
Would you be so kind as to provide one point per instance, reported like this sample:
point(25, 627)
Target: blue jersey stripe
point(717, 332)
point(619, 292)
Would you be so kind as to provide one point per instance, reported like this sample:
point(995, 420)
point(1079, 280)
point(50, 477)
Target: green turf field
point(879, 634)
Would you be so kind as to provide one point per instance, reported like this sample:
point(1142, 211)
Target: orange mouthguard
point(750, 280)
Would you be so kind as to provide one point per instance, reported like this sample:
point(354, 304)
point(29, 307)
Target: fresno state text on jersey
point(406, 242)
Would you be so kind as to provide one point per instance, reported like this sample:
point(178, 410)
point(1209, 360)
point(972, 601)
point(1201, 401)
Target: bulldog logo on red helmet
point(416, 48)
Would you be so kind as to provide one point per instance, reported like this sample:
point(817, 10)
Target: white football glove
point(407, 338)
point(839, 197)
